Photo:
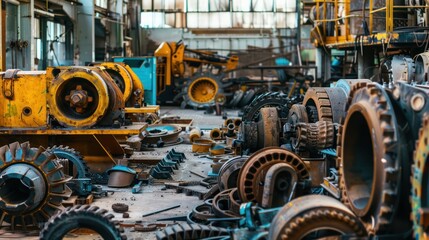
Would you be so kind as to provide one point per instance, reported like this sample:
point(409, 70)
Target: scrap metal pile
point(335, 163)
point(345, 161)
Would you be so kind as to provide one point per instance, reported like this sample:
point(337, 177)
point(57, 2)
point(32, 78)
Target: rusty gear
point(252, 175)
point(307, 215)
point(370, 157)
point(120, 207)
point(187, 231)
point(317, 97)
point(315, 136)
point(32, 185)
point(272, 99)
point(82, 216)
point(420, 182)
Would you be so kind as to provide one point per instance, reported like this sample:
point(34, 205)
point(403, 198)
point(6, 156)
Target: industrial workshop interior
point(214, 119)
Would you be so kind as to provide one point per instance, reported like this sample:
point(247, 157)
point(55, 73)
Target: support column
point(364, 62)
point(323, 63)
point(84, 33)
point(27, 32)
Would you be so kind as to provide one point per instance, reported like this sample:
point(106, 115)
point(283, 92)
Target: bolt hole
point(26, 111)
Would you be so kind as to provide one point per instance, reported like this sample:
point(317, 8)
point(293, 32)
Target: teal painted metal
point(145, 69)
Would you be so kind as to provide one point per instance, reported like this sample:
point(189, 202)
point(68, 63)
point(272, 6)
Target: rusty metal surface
point(268, 128)
point(279, 185)
point(228, 173)
point(252, 175)
point(369, 150)
point(315, 136)
point(310, 217)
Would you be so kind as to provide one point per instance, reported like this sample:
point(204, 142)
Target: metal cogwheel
point(187, 231)
point(228, 173)
point(271, 99)
point(315, 136)
point(327, 104)
point(65, 152)
point(252, 175)
point(82, 216)
point(420, 182)
point(369, 156)
point(32, 185)
point(318, 97)
point(315, 216)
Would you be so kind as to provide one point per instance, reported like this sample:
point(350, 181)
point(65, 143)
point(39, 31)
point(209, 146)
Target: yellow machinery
point(127, 81)
point(374, 30)
point(194, 75)
point(80, 107)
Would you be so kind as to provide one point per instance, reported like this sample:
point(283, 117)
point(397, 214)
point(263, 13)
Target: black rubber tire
point(271, 99)
point(185, 231)
point(82, 216)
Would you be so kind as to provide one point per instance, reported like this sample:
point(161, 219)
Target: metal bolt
point(417, 102)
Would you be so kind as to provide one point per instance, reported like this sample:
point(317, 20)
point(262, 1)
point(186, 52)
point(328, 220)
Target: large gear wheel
point(187, 231)
point(32, 185)
point(82, 216)
point(252, 175)
point(201, 90)
point(369, 156)
point(420, 182)
point(271, 99)
point(315, 216)
point(80, 169)
point(318, 97)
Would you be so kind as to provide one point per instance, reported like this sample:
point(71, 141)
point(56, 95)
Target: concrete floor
point(155, 197)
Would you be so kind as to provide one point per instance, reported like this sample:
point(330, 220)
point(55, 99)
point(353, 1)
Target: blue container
point(145, 69)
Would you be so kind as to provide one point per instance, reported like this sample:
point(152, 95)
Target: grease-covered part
point(32, 185)
point(82, 216)
point(315, 216)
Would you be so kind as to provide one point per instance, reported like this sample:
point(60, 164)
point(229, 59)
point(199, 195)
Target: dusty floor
point(155, 197)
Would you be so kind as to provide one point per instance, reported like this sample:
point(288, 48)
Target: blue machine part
point(145, 69)
point(121, 169)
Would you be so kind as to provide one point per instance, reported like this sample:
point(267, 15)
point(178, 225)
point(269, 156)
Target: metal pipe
point(44, 13)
